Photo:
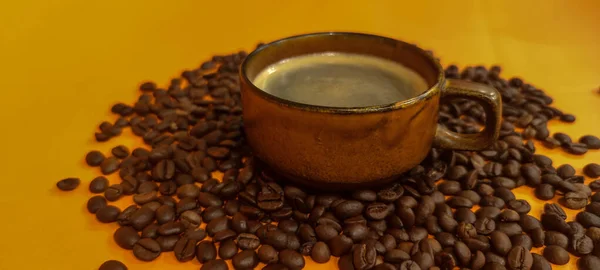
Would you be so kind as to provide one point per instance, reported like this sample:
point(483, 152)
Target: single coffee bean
point(320, 253)
point(144, 198)
point(545, 192)
point(522, 240)
point(96, 203)
point(216, 264)
point(592, 170)
point(94, 158)
point(484, 225)
point(98, 184)
point(500, 242)
point(206, 251)
point(357, 232)
point(126, 237)
point(593, 233)
point(556, 223)
point(109, 165)
point(377, 211)
point(348, 209)
point(588, 219)
point(581, 245)
point(588, 262)
point(409, 265)
point(363, 256)
point(108, 214)
point(227, 249)
point(150, 231)
point(112, 265)
point(113, 192)
point(142, 218)
point(575, 200)
point(540, 263)
point(267, 254)
point(592, 142)
point(190, 219)
point(340, 245)
point(68, 184)
point(185, 249)
point(146, 249)
point(120, 151)
point(247, 241)
point(556, 255)
point(246, 259)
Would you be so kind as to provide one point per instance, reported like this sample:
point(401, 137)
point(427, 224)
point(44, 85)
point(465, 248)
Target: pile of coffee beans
point(200, 195)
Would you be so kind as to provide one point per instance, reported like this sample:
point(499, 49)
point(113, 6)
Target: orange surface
point(63, 63)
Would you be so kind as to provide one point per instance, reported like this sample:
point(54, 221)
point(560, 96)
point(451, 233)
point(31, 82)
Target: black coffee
point(340, 80)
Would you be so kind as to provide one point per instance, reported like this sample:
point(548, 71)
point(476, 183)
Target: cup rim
point(343, 110)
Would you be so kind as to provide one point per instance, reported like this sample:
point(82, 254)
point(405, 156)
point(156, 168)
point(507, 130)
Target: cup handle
point(491, 102)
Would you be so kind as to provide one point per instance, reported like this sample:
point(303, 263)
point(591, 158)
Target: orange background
point(64, 63)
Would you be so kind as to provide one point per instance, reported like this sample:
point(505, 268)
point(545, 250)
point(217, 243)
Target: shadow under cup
point(341, 147)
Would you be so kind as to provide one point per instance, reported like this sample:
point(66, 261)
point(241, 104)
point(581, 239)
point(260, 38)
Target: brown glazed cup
point(342, 148)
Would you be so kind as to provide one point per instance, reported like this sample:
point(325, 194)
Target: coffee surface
point(340, 80)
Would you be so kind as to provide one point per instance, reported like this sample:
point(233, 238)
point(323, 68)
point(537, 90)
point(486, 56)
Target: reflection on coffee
point(340, 80)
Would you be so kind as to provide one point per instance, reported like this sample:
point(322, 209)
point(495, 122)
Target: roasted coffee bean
point(522, 240)
point(363, 256)
point(115, 265)
point(206, 251)
point(575, 200)
point(376, 211)
point(545, 192)
point(593, 233)
point(147, 187)
point(246, 259)
point(108, 214)
point(491, 257)
point(520, 206)
point(167, 188)
point(207, 199)
point(68, 184)
point(98, 184)
point(409, 265)
point(592, 170)
point(109, 165)
point(126, 237)
point(216, 264)
point(529, 223)
point(556, 238)
point(142, 218)
point(227, 249)
point(519, 258)
point(581, 244)
point(592, 142)
point(532, 174)
point(267, 254)
point(465, 215)
point(144, 198)
point(427, 207)
point(247, 241)
point(340, 245)
point(96, 203)
point(319, 253)
point(487, 211)
point(185, 249)
point(120, 151)
point(540, 263)
point(556, 255)
point(348, 209)
point(357, 232)
point(500, 242)
point(588, 262)
point(94, 158)
point(588, 219)
point(150, 231)
point(146, 249)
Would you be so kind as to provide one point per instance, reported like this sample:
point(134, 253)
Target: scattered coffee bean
point(592, 170)
point(94, 158)
point(112, 265)
point(68, 184)
point(556, 255)
point(246, 259)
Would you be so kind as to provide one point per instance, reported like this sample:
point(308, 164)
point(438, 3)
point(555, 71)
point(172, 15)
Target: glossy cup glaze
point(333, 147)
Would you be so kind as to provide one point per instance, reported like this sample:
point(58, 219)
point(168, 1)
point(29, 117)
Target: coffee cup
point(359, 137)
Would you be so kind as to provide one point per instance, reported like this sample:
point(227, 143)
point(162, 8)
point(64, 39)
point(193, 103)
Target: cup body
point(331, 147)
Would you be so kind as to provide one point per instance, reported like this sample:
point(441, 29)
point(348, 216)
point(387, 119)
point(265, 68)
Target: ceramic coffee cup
point(339, 147)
